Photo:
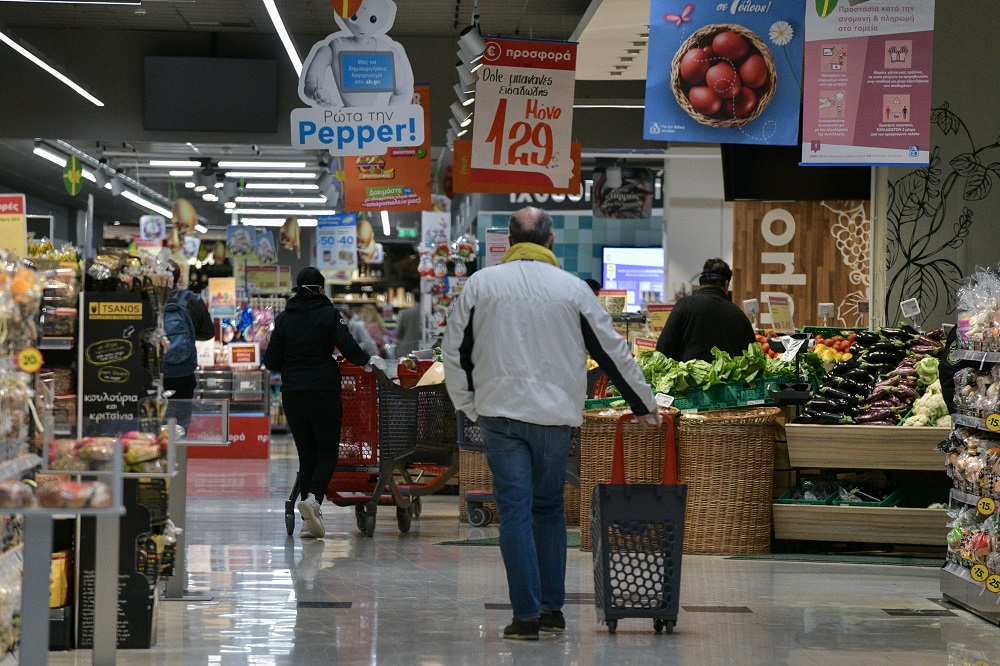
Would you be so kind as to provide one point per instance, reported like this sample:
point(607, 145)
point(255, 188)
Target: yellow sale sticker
point(993, 583)
point(986, 506)
point(30, 360)
point(992, 422)
point(979, 572)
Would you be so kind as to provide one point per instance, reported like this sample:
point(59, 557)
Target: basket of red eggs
point(723, 75)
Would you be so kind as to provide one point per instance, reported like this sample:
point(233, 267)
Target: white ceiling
point(613, 35)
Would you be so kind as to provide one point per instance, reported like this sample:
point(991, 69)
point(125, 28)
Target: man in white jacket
point(515, 362)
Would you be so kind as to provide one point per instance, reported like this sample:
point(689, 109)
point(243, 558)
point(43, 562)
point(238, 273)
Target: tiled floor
point(403, 599)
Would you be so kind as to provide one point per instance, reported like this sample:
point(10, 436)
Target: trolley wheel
point(416, 506)
point(480, 516)
point(289, 517)
point(404, 517)
point(670, 627)
point(657, 626)
point(369, 529)
point(612, 626)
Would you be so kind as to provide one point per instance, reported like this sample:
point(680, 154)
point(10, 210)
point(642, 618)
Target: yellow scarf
point(530, 252)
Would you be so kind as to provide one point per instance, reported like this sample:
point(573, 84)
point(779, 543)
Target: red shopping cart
point(388, 431)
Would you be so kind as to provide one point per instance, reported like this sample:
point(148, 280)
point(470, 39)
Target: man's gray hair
point(536, 229)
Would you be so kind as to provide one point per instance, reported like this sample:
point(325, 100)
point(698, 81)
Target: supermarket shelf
point(969, 421)
point(63, 430)
point(65, 512)
point(57, 343)
point(352, 301)
point(964, 497)
point(18, 466)
point(959, 588)
point(975, 355)
point(864, 447)
point(860, 524)
point(366, 280)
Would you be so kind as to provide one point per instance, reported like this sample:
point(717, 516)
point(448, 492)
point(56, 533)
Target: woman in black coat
point(301, 349)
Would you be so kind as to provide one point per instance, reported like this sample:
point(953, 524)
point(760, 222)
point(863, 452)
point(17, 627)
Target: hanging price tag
point(30, 360)
point(993, 583)
point(979, 572)
point(992, 422)
point(986, 506)
point(524, 108)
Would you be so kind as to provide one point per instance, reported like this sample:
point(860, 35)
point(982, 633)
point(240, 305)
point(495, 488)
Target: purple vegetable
point(891, 381)
point(926, 349)
point(879, 394)
point(907, 392)
point(904, 371)
point(936, 334)
point(876, 415)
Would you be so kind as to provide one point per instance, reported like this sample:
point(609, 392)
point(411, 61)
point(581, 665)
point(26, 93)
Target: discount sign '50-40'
point(524, 108)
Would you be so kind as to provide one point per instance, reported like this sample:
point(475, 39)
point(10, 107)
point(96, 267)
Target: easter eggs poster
point(724, 72)
point(867, 98)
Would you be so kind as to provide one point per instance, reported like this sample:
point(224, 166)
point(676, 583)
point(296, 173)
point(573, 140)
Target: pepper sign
point(358, 84)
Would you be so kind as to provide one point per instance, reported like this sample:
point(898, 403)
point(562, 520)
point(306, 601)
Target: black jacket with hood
point(302, 344)
point(705, 319)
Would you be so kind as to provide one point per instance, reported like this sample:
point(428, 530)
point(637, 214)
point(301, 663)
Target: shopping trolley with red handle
point(638, 534)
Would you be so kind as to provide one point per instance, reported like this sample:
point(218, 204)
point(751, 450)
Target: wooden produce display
point(862, 448)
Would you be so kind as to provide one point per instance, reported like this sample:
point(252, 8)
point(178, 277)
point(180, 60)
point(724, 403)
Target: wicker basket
point(643, 463)
point(703, 36)
point(726, 458)
point(474, 474)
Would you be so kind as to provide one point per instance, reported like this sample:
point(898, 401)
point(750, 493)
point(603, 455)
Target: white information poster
point(497, 244)
point(523, 123)
point(336, 245)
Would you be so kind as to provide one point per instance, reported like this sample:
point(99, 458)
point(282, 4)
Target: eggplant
point(832, 418)
point(889, 345)
point(830, 391)
point(881, 394)
point(882, 404)
point(927, 349)
point(884, 357)
point(936, 334)
point(888, 381)
point(875, 415)
point(904, 371)
point(844, 368)
point(823, 403)
point(895, 333)
point(859, 375)
point(879, 369)
point(866, 338)
point(805, 418)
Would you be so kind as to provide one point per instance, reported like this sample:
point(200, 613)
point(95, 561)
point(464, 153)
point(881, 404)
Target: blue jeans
point(528, 463)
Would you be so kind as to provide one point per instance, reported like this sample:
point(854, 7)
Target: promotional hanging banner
point(523, 125)
point(398, 180)
point(728, 72)
point(622, 192)
point(358, 84)
point(222, 297)
point(867, 93)
point(13, 224)
point(465, 178)
point(497, 244)
point(73, 175)
point(240, 241)
point(267, 252)
point(336, 245)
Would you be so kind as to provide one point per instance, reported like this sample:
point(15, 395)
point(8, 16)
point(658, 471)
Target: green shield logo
point(824, 7)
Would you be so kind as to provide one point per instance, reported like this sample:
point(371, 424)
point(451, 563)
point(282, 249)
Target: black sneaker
point(521, 630)
point(552, 621)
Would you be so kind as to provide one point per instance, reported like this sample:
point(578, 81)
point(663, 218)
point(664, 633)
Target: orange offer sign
point(493, 181)
point(398, 180)
point(658, 313)
point(643, 344)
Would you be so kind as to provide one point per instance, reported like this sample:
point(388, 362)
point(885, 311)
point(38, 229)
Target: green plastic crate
point(830, 331)
point(786, 498)
point(893, 499)
point(601, 403)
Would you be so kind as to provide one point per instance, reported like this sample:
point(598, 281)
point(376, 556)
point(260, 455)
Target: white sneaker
point(312, 519)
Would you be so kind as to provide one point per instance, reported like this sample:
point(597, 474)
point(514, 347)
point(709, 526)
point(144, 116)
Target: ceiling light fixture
point(286, 39)
point(144, 202)
point(472, 41)
point(283, 200)
point(180, 174)
point(283, 211)
point(466, 75)
point(200, 188)
point(174, 163)
point(465, 98)
point(101, 177)
point(117, 186)
point(38, 60)
point(201, 229)
point(462, 115)
point(269, 222)
point(385, 223)
point(189, 185)
point(456, 128)
point(281, 186)
point(262, 165)
point(58, 160)
point(273, 175)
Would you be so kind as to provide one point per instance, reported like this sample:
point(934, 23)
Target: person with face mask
point(301, 349)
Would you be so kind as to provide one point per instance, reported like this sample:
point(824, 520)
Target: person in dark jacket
point(301, 349)
point(180, 378)
point(705, 319)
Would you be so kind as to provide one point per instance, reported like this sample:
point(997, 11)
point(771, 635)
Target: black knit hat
point(310, 277)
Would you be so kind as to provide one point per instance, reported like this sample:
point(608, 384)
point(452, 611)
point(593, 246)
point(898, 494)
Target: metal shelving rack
point(957, 584)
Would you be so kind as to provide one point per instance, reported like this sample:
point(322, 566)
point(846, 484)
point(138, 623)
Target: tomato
point(766, 347)
point(769, 332)
point(852, 337)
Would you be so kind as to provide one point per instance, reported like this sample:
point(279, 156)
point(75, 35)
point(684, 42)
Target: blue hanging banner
point(725, 72)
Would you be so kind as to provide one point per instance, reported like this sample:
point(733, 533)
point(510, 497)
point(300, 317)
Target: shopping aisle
point(402, 599)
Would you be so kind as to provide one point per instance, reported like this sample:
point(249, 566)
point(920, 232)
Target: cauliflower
point(944, 421)
point(927, 409)
point(917, 420)
point(935, 387)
